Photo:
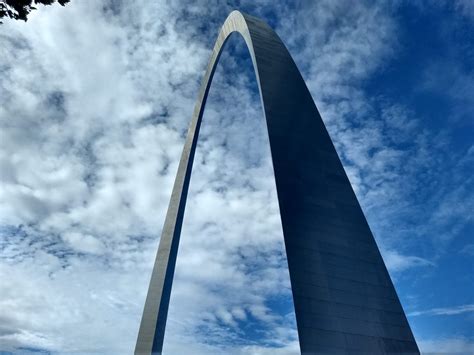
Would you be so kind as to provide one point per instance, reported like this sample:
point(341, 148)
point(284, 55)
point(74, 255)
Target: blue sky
point(95, 101)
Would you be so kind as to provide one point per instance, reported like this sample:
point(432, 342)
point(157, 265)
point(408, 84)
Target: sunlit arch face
point(343, 296)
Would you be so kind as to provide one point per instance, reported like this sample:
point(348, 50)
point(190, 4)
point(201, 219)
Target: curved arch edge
point(321, 218)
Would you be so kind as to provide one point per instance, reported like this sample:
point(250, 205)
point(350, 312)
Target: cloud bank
point(95, 102)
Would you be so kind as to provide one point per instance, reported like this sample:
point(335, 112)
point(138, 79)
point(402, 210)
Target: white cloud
point(445, 311)
point(84, 243)
point(396, 262)
point(447, 346)
point(94, 109)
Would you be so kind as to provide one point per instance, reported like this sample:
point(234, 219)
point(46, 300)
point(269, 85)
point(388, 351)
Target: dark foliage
point(20, 9)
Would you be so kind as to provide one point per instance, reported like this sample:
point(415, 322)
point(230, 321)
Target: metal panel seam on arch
point(343, 296)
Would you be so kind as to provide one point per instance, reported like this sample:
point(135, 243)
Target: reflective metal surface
point(344, 299)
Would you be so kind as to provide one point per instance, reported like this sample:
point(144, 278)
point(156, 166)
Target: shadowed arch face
point(343, 296)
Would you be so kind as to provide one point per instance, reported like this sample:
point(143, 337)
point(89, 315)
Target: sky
point(95, 99)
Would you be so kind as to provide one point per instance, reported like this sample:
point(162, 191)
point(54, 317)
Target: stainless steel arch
point(343, 296)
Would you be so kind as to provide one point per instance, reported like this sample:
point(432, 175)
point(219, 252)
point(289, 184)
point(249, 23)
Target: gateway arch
point(343, 296)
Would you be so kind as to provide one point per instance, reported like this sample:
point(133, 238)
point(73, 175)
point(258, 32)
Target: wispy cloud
point(468, 249)
point(449, 311)
point(454, 345)
point(96, 98)
point(397, 262)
